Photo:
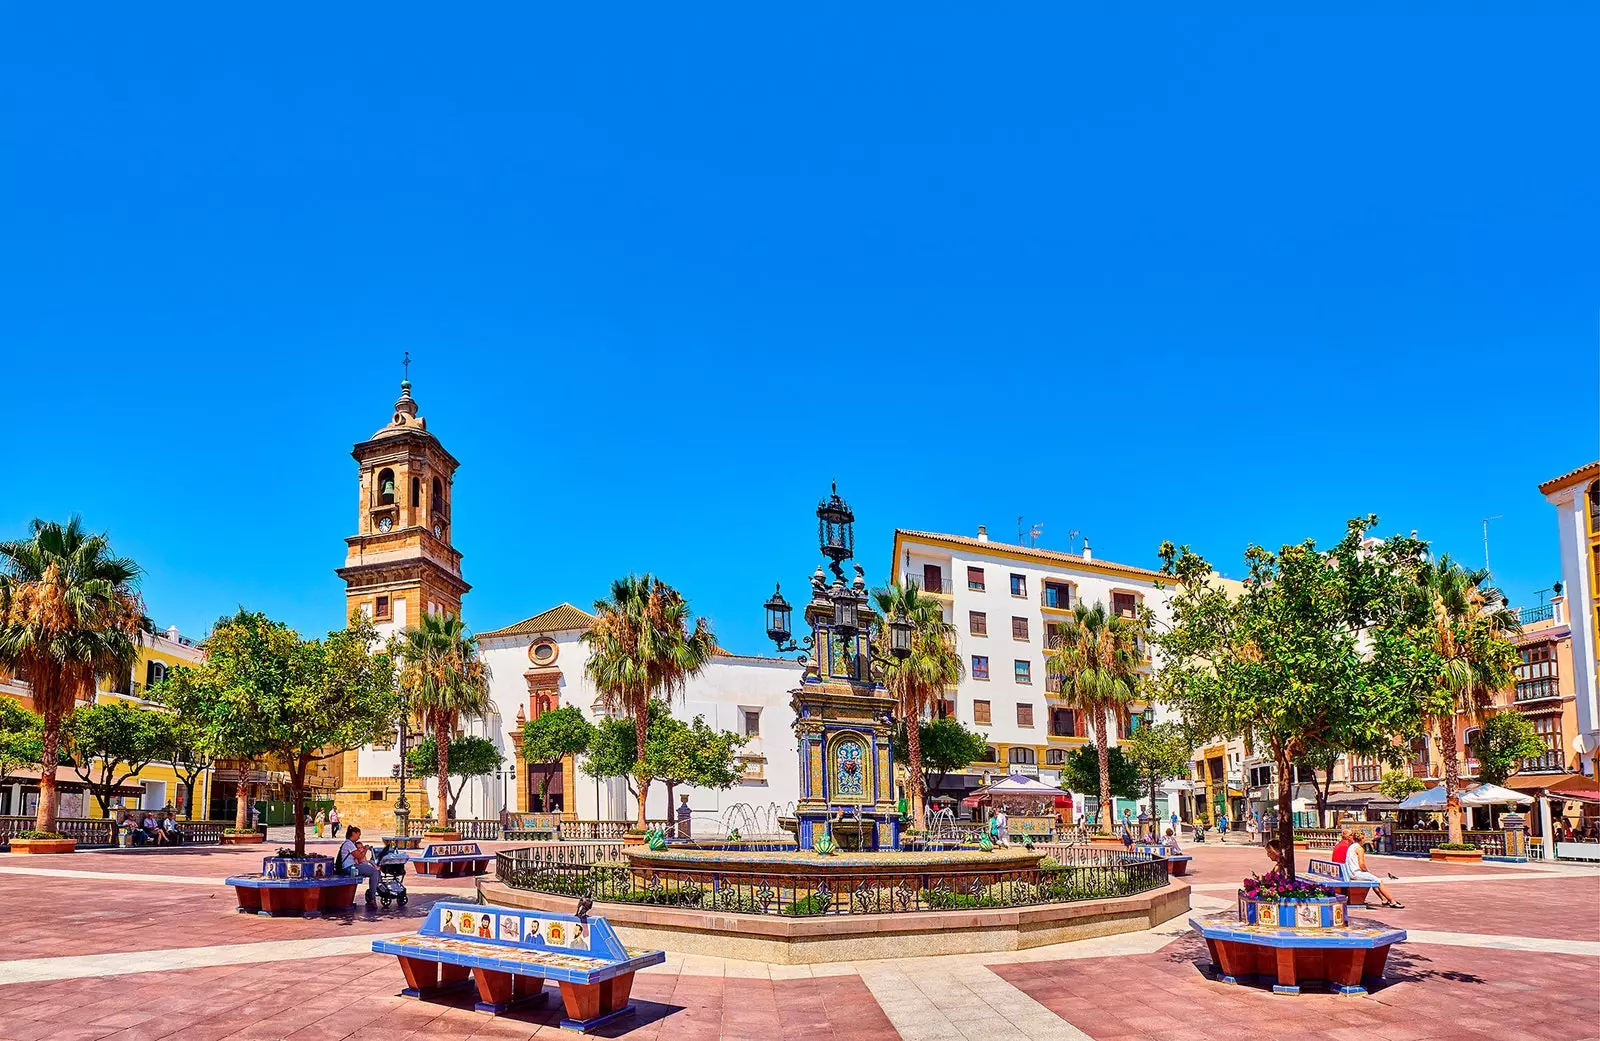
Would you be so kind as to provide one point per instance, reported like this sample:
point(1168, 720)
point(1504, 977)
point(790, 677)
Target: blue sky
point(1218, 280)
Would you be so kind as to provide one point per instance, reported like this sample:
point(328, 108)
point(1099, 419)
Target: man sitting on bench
point(352, 860)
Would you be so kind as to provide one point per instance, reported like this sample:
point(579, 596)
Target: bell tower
point(400, 562)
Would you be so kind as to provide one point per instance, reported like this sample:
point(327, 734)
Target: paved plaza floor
point(146, 946)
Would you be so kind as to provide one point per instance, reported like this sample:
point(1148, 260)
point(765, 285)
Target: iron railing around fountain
point(1088, 875)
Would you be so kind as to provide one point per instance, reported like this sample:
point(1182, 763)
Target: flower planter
point(1302, 844)
point(43, 845)
point(1323, 912)
point(1456, 856)
point(443, 836)
point(632, 837)
point(243, 840)
point(1104, 842)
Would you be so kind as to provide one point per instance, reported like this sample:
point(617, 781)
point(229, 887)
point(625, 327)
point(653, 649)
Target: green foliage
point(265, 692)
point(946, 746)
point(1081, 773)
point(550, 738)
point(643, 647)
point(20, 732)
point(808, 906)
point(1457, 846)
point(1503, 741)
point(1158, 753)
point(916, 681)
point(70, 614)
point(468, 757)
point(1398, 785)
point(112, 742)
point(693, 753)
point(613, 750)
point(1319, 651)
point(445, 681)
point(1097, 666)
point(35, 833)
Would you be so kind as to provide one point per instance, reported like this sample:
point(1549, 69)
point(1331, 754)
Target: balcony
point(942, 587)
point(1538, 690)
point(1543, 613)
point(1056, 596)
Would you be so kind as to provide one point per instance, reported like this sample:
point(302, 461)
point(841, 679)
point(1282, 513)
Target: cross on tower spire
point(406, 363)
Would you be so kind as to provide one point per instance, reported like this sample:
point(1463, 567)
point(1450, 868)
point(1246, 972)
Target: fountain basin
point(946, 864)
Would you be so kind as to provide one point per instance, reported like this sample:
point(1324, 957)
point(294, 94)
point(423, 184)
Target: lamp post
point(402, 807)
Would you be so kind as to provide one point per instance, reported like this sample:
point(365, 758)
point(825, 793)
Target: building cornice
point(1040, 557)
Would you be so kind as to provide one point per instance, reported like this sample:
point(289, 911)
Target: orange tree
point(1320, 651)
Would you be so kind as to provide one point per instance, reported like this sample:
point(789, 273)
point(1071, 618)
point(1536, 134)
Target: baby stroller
point(391, 875)
point(1199, 832)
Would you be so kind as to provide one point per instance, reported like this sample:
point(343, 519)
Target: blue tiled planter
point(1326, 912)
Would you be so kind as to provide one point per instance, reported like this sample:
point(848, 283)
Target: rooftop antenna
point(1486, 521)
point(1034, 533)
point(1021, 540)
point(1073, 534)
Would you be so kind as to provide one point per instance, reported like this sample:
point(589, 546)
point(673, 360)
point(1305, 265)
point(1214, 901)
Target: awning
point(1551, 783)
point(1371, 799)
point(29, 779)
point(1577, 795)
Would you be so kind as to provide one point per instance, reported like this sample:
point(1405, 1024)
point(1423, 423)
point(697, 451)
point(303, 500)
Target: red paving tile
point(1433, 991)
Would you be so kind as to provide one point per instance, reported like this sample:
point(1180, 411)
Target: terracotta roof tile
point(1571, 477)
point(561, 618)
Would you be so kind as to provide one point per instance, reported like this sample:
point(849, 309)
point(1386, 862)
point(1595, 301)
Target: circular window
point(543, 652)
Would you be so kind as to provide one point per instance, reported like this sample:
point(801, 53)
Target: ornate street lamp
point(900, 634)
point(846, 610)
point(836, 530)
point(778, 612)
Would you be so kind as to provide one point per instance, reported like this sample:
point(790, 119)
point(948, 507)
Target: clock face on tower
point(385, 523)
point(438, 530)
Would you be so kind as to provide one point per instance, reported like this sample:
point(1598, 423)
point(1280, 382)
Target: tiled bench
point(1345, 957)
point(532, 826)
point(1332, 875)
point(1177, 862)
point(509, 954)
point(445, 859)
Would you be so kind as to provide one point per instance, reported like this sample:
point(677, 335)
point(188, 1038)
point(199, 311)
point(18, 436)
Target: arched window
point(1023, 756)
point(416, 491)
point(385, 487)
point(990, 755)
point(438, 495)
point(1055, 756)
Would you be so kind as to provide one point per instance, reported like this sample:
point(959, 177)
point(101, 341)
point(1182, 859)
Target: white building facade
point(537, 665)
point(1005, 602)
point(1576, 497)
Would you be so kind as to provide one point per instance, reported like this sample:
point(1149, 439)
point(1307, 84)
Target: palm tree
point(642, 646)
point(445, 681)
point(917, 680)
point(1468, 630)
point(70, 615)
point(1097, 663)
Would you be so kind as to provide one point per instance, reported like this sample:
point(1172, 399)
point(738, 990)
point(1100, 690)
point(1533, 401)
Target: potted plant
point(442, 833)
point(1456, 852)
point(42, 842)
point(1290, 903)
point(286, 863)
point(241, 836)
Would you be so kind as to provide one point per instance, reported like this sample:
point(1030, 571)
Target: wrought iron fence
point(101, 832)
point(1493, 843)
point(891, 891)
point(477, 829)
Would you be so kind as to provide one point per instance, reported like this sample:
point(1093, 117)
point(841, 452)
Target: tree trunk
point(672, 813)
point(188, 795)
point(1452, 776)
point(297, 798)
point(919, 818)
point(1285, 811)
point(1155, 822)
point(1107, 811)
point(102, 791)
point(640, 730)
point(544, 792)
point(45, 818)
point(241, 818)
point(441, 744)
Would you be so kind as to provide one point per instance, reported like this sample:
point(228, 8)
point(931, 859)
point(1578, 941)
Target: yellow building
point(155, 786)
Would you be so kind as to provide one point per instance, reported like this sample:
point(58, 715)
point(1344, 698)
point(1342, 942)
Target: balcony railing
point(1542, 613)
point(943, 586)
point(1535, 690)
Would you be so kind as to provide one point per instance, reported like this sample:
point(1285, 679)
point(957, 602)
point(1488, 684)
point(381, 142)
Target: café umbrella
point(1433, 799)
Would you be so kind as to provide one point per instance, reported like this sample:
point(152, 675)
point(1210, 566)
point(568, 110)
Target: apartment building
point(1576, 497)
point(1005, 602)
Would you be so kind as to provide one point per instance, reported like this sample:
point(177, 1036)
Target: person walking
point(1250, 829)
point(333, 820)
point(1174, 822)
point(1222, 828)
point(322, 818)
